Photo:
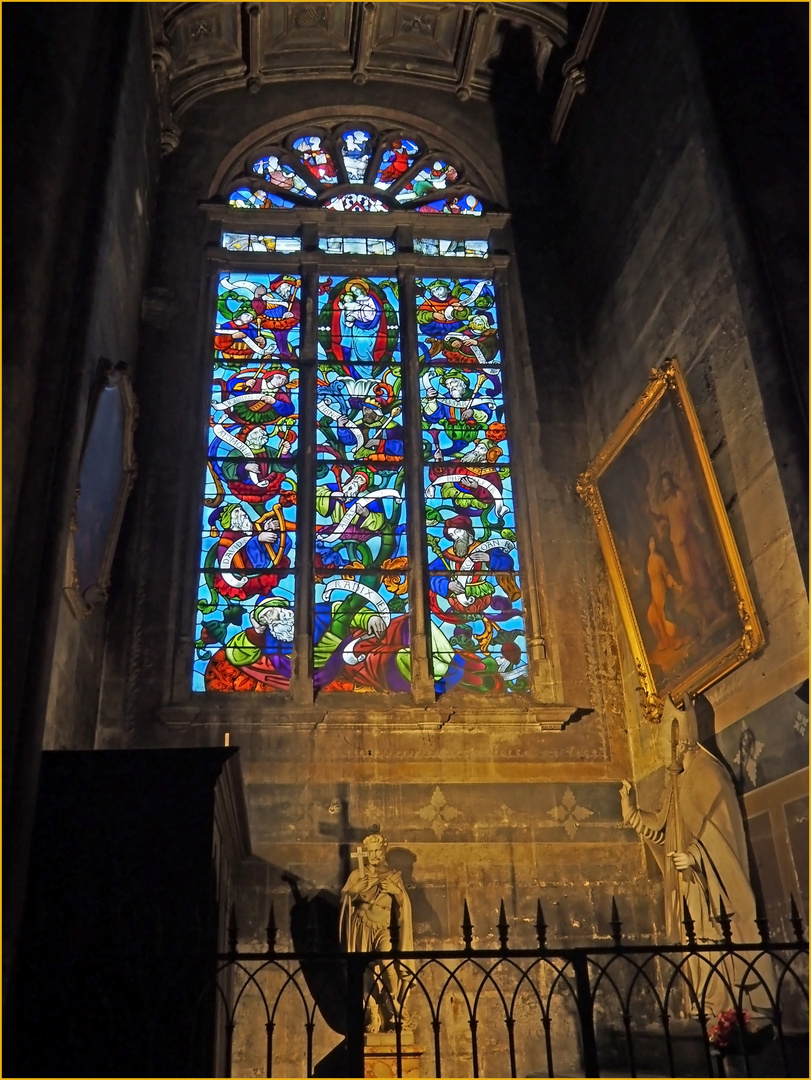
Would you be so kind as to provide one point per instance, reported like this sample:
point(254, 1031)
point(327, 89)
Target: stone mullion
point(516, 430)
point(189, 588)
point(302, 674)
point(422, 682)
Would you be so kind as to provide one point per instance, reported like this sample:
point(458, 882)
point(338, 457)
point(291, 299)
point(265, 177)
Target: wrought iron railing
point(618, 1009)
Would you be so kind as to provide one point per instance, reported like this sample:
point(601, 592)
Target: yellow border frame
point(669, 379)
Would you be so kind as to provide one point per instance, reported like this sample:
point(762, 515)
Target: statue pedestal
point(380, 1054)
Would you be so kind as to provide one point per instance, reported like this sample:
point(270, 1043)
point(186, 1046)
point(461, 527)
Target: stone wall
point(126, 188)
point(80, 152)
point(657, 264)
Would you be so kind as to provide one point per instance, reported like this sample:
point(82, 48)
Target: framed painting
point(106, 475)
point(668, 545)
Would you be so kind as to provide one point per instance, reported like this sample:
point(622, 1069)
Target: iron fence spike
point(616, 925)
point(689, 925)
point(467, 928)
point(503, 927)
point(725, 920)
point(271, 930)
point(540, 927)
point(761, 922)
point(796, 921)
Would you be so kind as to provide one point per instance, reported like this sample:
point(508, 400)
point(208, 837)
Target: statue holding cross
point(367, 900)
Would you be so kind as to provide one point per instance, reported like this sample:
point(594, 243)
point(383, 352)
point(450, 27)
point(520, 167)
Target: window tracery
point(354, 169)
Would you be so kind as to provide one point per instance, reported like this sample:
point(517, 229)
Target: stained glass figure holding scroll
point(456, 321)
point(362, 640)
point(360, 515)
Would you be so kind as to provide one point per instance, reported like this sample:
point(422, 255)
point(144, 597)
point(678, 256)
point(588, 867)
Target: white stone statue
point(366, 903)
point(697, 838)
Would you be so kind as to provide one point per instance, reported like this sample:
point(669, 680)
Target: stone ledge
point(507, 719)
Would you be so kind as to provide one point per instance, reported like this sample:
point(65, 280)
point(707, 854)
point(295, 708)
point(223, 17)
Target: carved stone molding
point(574, 74)
point(505, 720)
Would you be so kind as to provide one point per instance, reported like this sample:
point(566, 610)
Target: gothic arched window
point(359, 529)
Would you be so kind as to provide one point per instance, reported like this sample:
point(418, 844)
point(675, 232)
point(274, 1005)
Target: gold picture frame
point(668, 545)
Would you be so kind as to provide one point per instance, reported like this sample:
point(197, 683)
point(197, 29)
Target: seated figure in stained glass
point(360, 418)
point(255, 396)
point(247, 470)
point(356, 153)
point(278, 309)
point(460, 412)
point(258, 658)
point(316, 158)
point(362, 639)
point(244, 545)
point(469, 559)
point(237, 337)
point(395, 162)
point(456, 322)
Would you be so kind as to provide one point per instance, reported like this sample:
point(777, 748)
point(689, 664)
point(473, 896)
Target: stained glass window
point(247, 199)
point(248, 552)
point(460, 249)
point(323, 369)
point(356, 245)
point(355, 170)
point(284, 245)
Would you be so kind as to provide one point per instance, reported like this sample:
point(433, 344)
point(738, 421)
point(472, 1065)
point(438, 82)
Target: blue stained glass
point(244, 629)
point(463, 414)
point(397, 159)
point(357, 321)
point(244, 643)
point(479, 497)
point(258, 318)
point(284, 245)
point(457, 204)
point(456, 321)
point(256, 396)
point(241, 536)
point(245, 199)
point(460, 249)
point(240, 465)
point(362, 640)
point(356, 151)
point(282, 176)
point(478, 644)
point(316, 159)
point(245, 619)
point(359, 415)
point(432, 178)
point(357, 201)
point(356, 245)
point(360, 516)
